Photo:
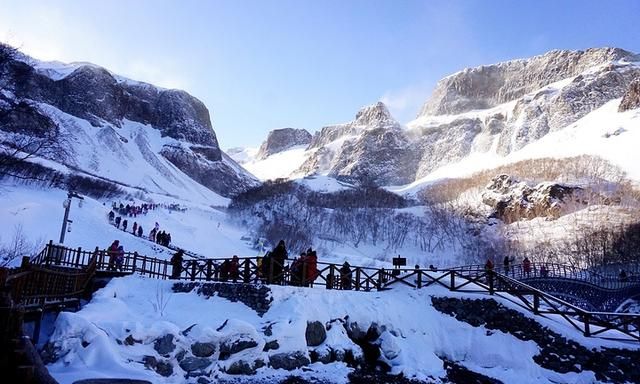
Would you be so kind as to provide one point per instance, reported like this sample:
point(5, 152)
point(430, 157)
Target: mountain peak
point(373, 115)
point(487, 86)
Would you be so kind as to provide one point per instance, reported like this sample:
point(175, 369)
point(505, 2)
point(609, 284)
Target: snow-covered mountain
point(132, 133)
point(490, 112)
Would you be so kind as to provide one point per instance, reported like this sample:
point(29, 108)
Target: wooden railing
point(470, 279)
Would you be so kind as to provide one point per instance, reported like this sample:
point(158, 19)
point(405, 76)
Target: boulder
point(269, 345)
point(289, 361)
point(240, 367)
point(190, 364)
point(164, 368)
point(164, 345)
point(315, 333)
point(226, 349)
point(203, 349)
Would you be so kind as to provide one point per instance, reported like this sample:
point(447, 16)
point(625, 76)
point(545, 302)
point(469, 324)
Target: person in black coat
point(176, 263)
point(278, 257)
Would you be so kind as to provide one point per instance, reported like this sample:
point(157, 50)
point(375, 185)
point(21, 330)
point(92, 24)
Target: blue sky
point(261, 65)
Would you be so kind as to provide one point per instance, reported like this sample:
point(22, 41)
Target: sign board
point(399, 261)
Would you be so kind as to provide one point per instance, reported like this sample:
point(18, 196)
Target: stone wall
point(254, 296)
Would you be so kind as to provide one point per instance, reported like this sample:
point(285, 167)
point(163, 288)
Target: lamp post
point(67, 206)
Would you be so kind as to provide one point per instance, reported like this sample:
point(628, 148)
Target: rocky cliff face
point(516, 103)
point(487, 86)
point(631, 99)
point(279, 140)
point(367, 149)
point(69, 95)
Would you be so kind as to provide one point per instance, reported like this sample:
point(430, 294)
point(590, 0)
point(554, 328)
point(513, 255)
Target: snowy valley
point(528, 159)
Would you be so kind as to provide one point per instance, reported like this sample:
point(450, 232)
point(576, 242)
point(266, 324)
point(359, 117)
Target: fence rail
point(58, 273)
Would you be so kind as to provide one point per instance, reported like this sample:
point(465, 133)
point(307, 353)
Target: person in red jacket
point(312, 267)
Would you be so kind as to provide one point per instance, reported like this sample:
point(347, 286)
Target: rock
point(190, 364)
point(129, 340)
point(289, 361)
point(269, 345)
point(150, 362)
point(164, 368)
point(226, 350)
point(203, 349)
point(315, 333)
point(107, 102)
point(241, 367)
point(164, 345)
point(513, 200)
point(489, 85)
point(631, 98)
point(180, 355)
point(282, 139)
point(203, 380)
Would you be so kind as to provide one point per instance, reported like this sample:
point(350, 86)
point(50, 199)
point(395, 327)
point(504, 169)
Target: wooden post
point(270, 277)
point(536, 303)
point(49, 252)
point(247, 271)
point(585, 319)
point(135, 261)
point(209, 269)
point(357, 278)
point(78, 256)
point(380, 279)
point(419, 279)
point(330, 277)
point(452, 285)
point(25, 262)
point(193, 270)
point(490, 277)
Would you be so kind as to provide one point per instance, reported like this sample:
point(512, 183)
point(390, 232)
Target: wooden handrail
point(61, 272)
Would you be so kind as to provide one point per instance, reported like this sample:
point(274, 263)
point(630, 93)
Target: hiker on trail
point(140, 231)
point(278, 256)
point(265, 267)
point(623, 276)
point(135, 228)
point(544, 272)
point(112, 216)
point(152, 235)
point(234, 268)
point(157, 227)
point(296, 269)
point(345, 276)
point(224, 270)
point(124, 225)
point(312, 268)
point(488, 266)
point(112, 251)
point(120, 258)
point(168, 239)
point(526, 266)
point(118, 222)
point(176, 263)
point(506, 263)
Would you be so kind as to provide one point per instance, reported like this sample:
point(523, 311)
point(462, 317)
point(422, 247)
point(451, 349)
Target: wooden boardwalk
point(60, 275)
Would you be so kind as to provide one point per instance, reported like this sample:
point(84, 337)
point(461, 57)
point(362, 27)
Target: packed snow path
point(59, 274)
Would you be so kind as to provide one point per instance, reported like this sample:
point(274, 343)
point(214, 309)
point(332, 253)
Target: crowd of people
point(155, 234)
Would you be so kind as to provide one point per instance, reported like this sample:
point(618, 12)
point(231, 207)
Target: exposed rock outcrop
point(631, 98)
point(487, 86)
point(282, 139)
point(513, 200)
point(43, 98)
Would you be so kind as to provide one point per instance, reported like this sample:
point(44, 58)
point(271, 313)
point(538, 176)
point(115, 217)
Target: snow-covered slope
point(132, 133)
point(485, 116)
